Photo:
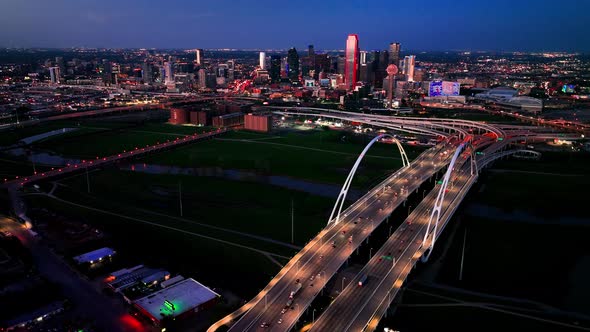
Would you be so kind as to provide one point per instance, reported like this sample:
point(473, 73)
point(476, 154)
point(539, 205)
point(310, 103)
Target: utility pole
point(462, 255)
point(292, 222)
point(87, 181)
point(180, 196)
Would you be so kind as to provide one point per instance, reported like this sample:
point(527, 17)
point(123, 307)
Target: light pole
point(463, 255)
point(313, 316)
point(370, 253)
point(390, 230)
point(87, 180)
point(180, 197)
point(342, 286)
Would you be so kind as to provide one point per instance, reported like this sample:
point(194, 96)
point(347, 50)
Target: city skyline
point(454, 25)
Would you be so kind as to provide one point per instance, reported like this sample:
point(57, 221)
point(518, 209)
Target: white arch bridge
point(323, 256)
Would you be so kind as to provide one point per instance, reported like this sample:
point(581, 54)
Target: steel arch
point(440, 198)
point(344, 191)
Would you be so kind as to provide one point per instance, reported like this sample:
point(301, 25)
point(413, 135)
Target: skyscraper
point(409, 64)
point(169, 74)
point(262, 60)
point(351, 63)
point(310, 51)
point(146, 72)
point(54, 74)
point(293, 64)
point(394, 50)
point(363, 67)
point(199, 56)
point(275, 68)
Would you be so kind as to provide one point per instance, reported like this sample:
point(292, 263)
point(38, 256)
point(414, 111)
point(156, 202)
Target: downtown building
point(351, 62)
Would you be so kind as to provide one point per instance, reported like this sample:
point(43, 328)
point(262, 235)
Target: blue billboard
point(444, 88)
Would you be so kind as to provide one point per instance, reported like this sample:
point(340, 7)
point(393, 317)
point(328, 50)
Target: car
point(311, 278)
point(284, 310)
point(333, 244)
point(344, 231)
point(265, 325)
point(280, 321)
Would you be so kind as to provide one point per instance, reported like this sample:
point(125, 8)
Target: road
point(321, 260)
point(109, 314)
point(357, 306)
point(90, 164)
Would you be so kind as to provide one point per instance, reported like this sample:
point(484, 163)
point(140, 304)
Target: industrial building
point(181, 299)
point(94, 256)
point(229, 120)
point(261, 123)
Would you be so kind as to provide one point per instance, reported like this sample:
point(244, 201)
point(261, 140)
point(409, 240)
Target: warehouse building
point(176, 301)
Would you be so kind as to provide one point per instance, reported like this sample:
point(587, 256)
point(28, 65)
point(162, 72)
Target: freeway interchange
point(276, 308)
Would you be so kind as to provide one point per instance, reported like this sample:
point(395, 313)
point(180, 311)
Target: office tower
point(146, 72)
point(394, 50)
point(202, 77)
point(275, 68)
point(199, 56)
point(293, 64)
point(408, 69)
point(54, 74)
point(169, 74)
point(351, 63)
point(363, 67)
point(262, 60)
point(59, 62)
point(322, 63)
point(222, 70)
point(310, 51)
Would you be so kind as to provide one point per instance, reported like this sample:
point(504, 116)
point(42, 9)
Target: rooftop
point(176, 299)
point(94, 256)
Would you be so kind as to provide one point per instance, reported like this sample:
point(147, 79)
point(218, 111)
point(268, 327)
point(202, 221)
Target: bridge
point(279, 306)
point(102, 161)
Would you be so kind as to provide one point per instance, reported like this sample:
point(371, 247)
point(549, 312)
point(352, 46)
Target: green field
point(243, 206)
point(528, 244)
point(215, 264)
point(317, 156)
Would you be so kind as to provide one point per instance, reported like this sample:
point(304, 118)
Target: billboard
point(443, 88)
point(568, 88)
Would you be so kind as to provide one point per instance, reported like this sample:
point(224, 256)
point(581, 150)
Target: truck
point(295, 291)
point(363, 280)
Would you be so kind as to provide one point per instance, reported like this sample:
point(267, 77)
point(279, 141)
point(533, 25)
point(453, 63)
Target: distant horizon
point(299, 49)
point(429, 25)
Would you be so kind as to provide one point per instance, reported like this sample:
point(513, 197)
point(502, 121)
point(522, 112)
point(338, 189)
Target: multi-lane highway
point(101, 161)
point(321, 258)
point(360, 307)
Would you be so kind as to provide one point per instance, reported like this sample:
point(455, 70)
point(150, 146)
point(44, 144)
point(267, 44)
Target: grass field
point(304, 156)
point(531, 247)
point(243, 206)
point(213, 263)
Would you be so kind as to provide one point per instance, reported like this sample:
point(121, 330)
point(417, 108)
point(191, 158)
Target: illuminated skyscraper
point(409, 64)
point(394, 50)
point(54, 74)
point(351, 63)
point(262, 60)
point(168, 70)
point(293, 64)
point(275, 68)
point(199, 56)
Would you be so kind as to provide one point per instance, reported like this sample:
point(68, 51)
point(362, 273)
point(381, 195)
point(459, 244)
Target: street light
point(370, 253)
point(313, 316)
point(342, 286)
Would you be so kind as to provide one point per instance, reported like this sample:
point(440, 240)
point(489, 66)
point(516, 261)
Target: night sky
point(503, 25)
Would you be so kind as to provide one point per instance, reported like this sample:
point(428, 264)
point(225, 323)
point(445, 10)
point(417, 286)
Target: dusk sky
point(527, 25)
